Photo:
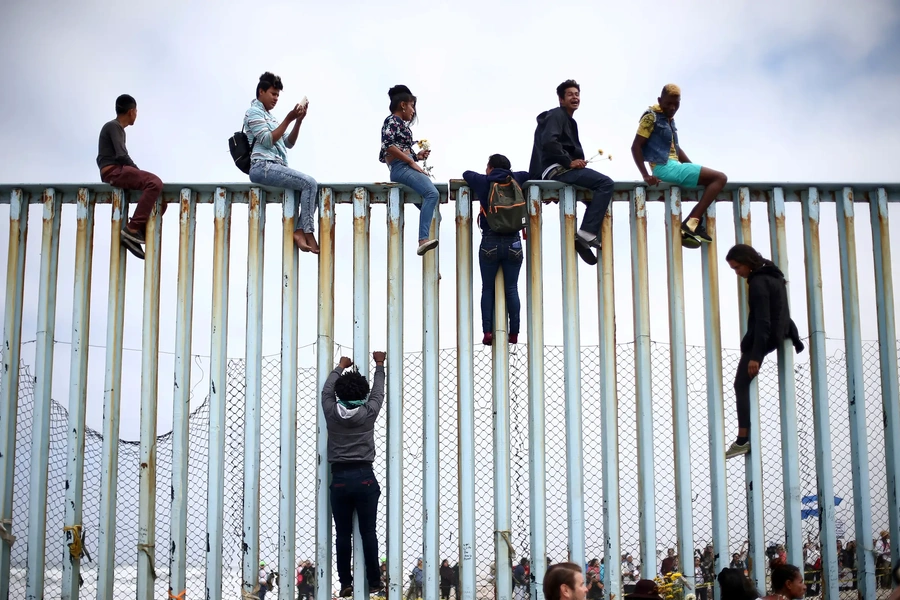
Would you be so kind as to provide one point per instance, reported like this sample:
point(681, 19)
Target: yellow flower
point(600, 152)
point(610, 157)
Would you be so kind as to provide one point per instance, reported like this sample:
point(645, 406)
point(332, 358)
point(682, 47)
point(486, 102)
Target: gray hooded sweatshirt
point(351, 431)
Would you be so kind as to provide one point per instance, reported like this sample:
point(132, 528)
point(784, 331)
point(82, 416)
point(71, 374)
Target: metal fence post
point(465, 370)
point(856, 392)
point(181, 395)
point(10, 355)
point(819, 381)
point(572, 360)
point(40, 437)
point(256, 232)
point(678, 364)
point(787, 398)
point(81, 325)
point(324, 366)
point(887, 354)
point(112, 396)
point(146, 574)
point(712, 327)
point(503, 548)
point(395, 394)
point(643, 387)
point(753, 460)
point(430, 416)
point(218, 394)
point(537, 458)
point(609, 410)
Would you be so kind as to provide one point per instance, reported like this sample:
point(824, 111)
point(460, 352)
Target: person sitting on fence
point(564, 581)
point(118, 170)
point(734, 585)
point(268, 161)
point(787, 584)
point(768, 325)
point(350, 410)
point(656, 142)
point(502, 216)
point(557, 155)
point(397, 153)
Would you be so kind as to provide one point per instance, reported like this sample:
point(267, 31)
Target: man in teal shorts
point(656, 142)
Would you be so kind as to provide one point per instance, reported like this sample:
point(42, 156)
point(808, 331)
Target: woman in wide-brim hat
point(645, 589)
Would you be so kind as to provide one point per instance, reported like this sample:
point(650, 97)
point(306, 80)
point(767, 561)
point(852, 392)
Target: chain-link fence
point(557, 527)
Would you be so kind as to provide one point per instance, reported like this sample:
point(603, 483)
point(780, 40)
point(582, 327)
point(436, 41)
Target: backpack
point(240, 147)
point(507, 212)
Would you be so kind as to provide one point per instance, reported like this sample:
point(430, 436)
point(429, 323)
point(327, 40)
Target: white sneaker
point(736, 450)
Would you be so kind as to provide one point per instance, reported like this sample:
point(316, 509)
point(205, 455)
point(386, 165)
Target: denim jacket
point(659, 144)
point(259, 125)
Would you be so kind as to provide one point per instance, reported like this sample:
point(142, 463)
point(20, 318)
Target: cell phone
point(305, 102)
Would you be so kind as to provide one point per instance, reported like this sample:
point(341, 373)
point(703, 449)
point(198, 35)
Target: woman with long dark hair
point(787, 583)
point(397, 154)
point(768, 325)
point(736, 586)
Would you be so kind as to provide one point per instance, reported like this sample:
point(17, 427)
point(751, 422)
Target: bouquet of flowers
point(425, 146)
point(671, 587)
point(600, 156)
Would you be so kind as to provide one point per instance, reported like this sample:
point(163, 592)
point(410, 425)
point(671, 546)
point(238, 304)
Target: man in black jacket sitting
point(557, 155)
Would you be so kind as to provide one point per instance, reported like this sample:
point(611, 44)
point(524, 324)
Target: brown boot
point(300, 240)
point(311, 242)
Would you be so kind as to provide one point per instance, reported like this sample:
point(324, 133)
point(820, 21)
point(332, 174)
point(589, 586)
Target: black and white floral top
point(395, 132)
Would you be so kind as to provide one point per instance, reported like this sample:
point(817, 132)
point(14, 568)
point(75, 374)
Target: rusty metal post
point(256, 232)
point(790, 467)
point(887, 354)
point(819, 381)
point(678, 364)
point(10, 354)
point(360, 349)
point(503, 549)
point(609, 410)
point(181, 395)
point(218, 395)
point(324, 366)
point(43, 383)
point(643, 385)
point(465, 389)
point(537, 457)
point(712, 327)
point(146, 575)
point(572, 379)
point(753, 460)
point(431, 416)
point(81, 326)
point(394, 393)
point(856, 392)
point(112, 396)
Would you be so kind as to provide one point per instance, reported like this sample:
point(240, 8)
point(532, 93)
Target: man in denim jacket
point(656, 142)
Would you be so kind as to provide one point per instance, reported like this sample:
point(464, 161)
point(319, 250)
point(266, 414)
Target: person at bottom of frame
point(768, 325)
point(351, 409)
point(498, 250)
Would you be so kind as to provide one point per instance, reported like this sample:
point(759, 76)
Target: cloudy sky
point(801, 91)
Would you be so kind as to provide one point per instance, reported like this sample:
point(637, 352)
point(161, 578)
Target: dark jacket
point(769, 322)
point(555, 141)
point(446, 576)
point(481, 187)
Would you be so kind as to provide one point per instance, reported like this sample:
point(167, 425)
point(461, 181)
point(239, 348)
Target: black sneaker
point(346, 591)
point(136, 237)
point(377, 588)
point(135, 249)
point(701, 234)
point(584, 251)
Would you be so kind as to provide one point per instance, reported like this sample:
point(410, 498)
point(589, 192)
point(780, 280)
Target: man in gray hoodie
point(350, 412)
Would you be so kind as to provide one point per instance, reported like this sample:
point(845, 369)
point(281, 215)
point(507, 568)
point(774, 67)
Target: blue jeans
point(355, 490)
point(602, 188)
point(500, 252)
point(267, 172)
point(422, 185)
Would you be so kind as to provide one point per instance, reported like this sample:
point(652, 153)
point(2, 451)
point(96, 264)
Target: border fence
point(486, 455)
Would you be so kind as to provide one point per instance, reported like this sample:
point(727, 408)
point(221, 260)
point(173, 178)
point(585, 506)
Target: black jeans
point(500, 252)
point(742, 381)
point(355, 490)
point(602, 188)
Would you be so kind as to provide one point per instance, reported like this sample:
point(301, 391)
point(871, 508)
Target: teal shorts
point(686, 174)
